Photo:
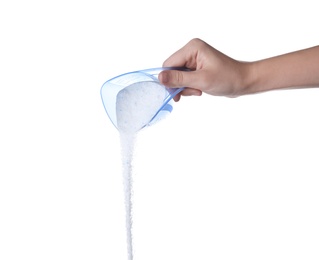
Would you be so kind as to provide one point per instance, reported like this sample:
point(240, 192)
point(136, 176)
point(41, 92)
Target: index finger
point(184, 57)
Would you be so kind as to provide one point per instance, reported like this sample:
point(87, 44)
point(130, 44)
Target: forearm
point(298, 69)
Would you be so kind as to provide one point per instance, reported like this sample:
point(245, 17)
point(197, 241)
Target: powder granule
point(136, 105)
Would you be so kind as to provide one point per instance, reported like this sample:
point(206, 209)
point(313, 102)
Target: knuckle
point(179, 77)
point(196, 42)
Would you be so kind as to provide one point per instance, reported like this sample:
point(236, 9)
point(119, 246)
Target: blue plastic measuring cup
point(112, 87)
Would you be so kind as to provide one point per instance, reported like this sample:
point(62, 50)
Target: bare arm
point(292, 70)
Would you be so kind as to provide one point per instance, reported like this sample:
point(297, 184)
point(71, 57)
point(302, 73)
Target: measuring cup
point(112, 87)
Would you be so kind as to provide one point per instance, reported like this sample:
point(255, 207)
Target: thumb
point(175, 78)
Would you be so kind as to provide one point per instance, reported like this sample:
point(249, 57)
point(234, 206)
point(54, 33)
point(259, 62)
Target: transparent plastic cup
point(112, 87)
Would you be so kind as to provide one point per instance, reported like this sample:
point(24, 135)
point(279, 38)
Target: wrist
point(247, 78)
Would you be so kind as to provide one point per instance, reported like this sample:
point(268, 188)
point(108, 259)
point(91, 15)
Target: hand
point(212, 72)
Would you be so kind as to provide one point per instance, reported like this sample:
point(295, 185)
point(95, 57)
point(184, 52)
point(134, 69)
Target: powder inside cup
point(136, 105)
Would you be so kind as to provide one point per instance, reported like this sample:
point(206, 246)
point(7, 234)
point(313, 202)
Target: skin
point(215, 73)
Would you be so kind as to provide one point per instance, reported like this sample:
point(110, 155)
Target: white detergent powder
point(136, 105)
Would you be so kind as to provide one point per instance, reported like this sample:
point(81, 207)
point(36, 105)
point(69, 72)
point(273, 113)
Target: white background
point(218, 179)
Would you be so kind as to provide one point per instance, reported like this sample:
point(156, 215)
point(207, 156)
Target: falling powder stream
point(135, 107)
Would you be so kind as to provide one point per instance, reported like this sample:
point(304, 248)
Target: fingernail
point(163, 77)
